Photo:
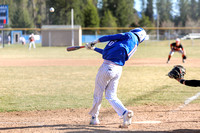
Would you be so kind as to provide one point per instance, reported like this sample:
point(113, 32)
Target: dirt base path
point(146, 119)
point(94, 62)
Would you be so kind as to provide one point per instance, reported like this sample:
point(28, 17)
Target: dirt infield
point(147, 119)
point(94, 62)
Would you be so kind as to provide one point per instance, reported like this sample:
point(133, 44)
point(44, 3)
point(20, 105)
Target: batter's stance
point(118, 50)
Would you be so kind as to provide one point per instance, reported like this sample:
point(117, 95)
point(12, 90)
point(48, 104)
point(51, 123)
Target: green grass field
point(59, 87)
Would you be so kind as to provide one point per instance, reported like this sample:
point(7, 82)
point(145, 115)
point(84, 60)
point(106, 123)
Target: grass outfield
point(58, 87)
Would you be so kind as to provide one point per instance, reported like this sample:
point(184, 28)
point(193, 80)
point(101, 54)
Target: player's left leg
point(111, 96)
point(101, 82)
point(34, 45)
point(30, 45)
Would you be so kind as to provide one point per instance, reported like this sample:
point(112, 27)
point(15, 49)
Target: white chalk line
point(187, 101)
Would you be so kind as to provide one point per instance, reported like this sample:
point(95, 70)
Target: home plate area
point(148, 118)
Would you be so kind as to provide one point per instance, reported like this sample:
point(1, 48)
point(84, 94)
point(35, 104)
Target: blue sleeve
point(98, 50)
point(121, 36)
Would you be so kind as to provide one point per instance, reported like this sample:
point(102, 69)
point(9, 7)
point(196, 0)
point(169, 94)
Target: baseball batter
point(177, 47)
point(119, 49)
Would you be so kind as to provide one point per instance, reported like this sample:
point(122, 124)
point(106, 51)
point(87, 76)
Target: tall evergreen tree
point(21, 18)
point(143, 5)
point(184, 11)
point(193, 10)
point(108, 21)
point(36, 9)
point(164, 10)
point(122, 10)
point(149, 10)
point(91, 18)
point(36, 12)
point(198, 9)
point(125, 13)
point(62, 14)
point(40, 13)
point(144, 21)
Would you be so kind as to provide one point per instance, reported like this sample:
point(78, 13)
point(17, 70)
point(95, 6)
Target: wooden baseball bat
point(72, 48)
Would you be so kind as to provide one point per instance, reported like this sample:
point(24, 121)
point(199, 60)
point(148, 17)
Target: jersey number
point(111, 43)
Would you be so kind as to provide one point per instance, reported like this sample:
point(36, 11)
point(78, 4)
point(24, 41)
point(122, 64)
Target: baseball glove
point(177, 72)
point(184, 57)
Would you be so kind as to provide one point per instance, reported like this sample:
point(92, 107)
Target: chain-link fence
point(154, 33)
point(11, 36)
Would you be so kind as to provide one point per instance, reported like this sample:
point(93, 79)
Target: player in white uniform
point(118, 50)
point(32, 41)
point(9, 39)
point(22, 40)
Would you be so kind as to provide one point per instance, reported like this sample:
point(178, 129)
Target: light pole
point(157, 27)
point(72, 23)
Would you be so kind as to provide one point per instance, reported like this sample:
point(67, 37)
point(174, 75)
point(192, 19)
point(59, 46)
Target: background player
point(22, 40)
point(32, 41)
point(118, 50)
point(177, 47)
point(9, 40)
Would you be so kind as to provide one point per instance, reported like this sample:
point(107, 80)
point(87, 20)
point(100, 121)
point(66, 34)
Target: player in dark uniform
point(177, 47)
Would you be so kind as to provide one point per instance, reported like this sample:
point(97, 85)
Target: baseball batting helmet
point(140, 32)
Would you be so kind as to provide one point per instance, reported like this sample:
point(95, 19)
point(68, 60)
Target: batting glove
point(90, 45)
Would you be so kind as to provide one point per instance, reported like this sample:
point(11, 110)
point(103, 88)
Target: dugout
point(15, 35)
point(61, 35)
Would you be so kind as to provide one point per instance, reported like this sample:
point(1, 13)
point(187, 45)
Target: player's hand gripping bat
point(74, 48)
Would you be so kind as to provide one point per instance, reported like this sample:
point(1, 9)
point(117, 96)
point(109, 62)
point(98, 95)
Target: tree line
point(103, 13)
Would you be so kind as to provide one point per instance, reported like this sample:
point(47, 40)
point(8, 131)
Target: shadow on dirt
point(87, 128)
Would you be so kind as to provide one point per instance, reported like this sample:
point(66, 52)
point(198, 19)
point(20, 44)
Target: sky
point(137, 5)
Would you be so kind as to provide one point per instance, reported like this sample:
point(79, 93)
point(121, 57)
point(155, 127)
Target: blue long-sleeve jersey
point(119, 48)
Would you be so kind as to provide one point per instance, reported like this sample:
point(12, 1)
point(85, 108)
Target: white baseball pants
point(30, 45)
point(107, 79)
point(172, 52)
